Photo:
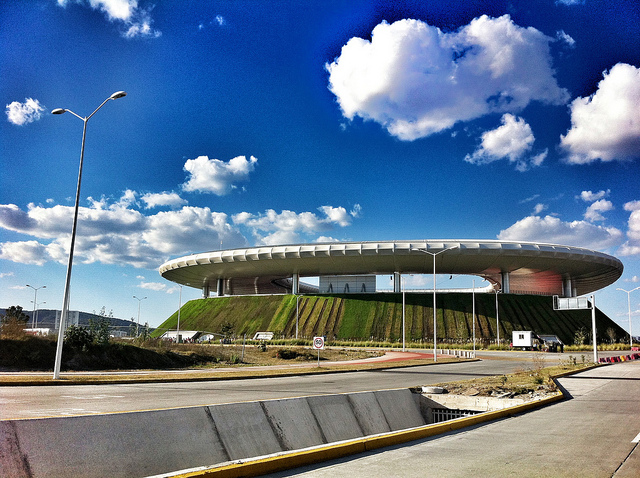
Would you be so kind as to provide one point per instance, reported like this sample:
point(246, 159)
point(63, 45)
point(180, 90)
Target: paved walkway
point(594, 434)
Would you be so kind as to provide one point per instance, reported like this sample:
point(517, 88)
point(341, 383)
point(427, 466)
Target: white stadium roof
point(531, 267)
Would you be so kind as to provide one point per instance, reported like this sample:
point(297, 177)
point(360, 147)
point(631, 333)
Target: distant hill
point(379, 317)
point(47, 319)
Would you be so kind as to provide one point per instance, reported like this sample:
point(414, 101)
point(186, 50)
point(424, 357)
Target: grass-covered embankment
point(378, 317)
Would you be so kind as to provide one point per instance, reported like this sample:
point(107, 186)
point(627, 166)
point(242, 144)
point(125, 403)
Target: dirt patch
point(535, 382)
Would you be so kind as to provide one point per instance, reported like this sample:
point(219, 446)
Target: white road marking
point(636, 439)
point(92, 397)
point(63, 412)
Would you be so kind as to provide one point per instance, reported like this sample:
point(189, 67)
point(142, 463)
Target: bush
point(13, 323)
point(286, 354)
point(78, 337)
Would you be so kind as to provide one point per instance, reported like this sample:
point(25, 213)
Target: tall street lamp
point(37, 308)
point(434, 254)
point(35, 304)
point(629, 308)
point(473, 308)
point(403, 314)
point(139, 301)
point(179, 308)
point(497, 317)
point(65, 300)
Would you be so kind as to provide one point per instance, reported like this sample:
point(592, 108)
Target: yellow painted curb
point(285, 461)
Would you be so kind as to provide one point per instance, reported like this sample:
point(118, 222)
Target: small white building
point(184, 335)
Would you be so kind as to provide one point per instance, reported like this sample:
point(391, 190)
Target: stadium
point(350, 267)
point(303, 290)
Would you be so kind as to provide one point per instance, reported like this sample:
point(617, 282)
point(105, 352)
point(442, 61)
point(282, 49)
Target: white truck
point(525, 340)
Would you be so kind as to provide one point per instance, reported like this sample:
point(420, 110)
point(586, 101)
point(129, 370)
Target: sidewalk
point(593, 434)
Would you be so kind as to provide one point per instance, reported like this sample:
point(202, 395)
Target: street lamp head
point(118, 94)
point(58, 111)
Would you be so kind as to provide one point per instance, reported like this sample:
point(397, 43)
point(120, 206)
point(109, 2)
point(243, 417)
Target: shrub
point(78, 337)
point(286, 354)
point(13, 323)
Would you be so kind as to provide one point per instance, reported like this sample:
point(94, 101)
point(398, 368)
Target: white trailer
point(524, 339)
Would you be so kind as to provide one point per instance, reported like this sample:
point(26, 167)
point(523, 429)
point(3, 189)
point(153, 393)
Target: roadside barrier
point(457, 353)
point(619, 358)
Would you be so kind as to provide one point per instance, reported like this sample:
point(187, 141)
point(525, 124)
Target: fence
point(444, 414)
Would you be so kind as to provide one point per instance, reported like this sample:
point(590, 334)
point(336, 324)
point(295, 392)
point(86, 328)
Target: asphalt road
point(56, 401)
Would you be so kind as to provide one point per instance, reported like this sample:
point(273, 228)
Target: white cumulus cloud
point(566, 38)
point(24, 113)
point(25, 252)
point(594, 211)
point(216, 176)
point(550, 229)
point(155, 286)
point(606, 125)
point(134, 20)
point(287, 226)
point(416, 80)
point(632, 245)
point(539, 208)
point(512, 141)
point(163, 199)
point(589, 196)
point(115, 231)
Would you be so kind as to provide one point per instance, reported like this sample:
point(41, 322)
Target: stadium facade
point(348, 267)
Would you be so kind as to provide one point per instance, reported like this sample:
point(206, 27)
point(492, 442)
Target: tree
point(78, 337)
point(226, 330)
point(99, 328)
point(580, 336)
point(13, 323)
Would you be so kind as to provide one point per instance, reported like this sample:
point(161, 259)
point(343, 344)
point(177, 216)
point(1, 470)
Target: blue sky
point(250, 122)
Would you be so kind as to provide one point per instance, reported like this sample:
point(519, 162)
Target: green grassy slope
point(379, 316)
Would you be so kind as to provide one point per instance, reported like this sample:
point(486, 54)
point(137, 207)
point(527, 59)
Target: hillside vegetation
point(379, 317)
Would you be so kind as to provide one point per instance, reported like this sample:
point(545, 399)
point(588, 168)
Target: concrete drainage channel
point(235, 439)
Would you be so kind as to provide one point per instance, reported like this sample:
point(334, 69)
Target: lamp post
point(297, 313)
point(139, 301)
point(473, 308)
point(403, 314)
point(434, 254)
point(629, 309)
point(36, 308)
point(497, 318)
point(65, 300)
point(35, 304)
point(179, 307)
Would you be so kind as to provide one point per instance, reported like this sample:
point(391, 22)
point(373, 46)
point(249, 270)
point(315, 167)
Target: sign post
point(318, 344)
point(574, 303)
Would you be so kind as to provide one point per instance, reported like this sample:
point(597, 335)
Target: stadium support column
point(396, 282)
point(205, 291)
point(295, 284)
point(220, 287)
point(567, 287)
point(506, 288)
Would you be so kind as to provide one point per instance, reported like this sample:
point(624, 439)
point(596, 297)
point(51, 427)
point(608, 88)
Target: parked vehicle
point(552, 343)
point(525, 340)
point(529, 340)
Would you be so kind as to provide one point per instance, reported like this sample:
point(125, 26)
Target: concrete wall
point(155, 442)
